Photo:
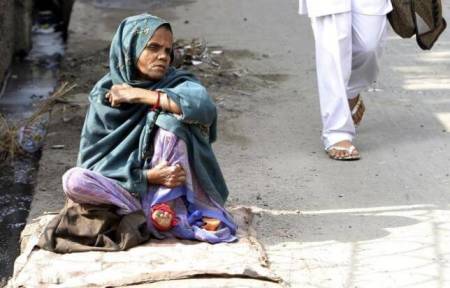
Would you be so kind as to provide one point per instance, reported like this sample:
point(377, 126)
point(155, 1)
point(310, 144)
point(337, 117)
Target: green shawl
point(114, 139)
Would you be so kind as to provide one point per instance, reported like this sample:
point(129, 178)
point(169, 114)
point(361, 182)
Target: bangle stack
point(157, 105)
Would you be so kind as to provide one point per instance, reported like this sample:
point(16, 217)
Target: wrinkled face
point(155, 58)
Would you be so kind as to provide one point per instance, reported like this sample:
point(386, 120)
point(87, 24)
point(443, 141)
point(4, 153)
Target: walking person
point(348, 39)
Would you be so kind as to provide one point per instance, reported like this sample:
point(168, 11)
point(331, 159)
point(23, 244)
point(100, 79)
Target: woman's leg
point(368, 37)
point(88, 187)
point(159, 204)
point(194, 210)
point(333, 42)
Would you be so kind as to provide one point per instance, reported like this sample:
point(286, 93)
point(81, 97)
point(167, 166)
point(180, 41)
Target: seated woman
point(146, 140)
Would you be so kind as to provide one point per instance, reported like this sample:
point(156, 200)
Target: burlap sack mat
point(155, 264)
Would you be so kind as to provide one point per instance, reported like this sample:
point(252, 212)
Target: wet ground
point(30, 80)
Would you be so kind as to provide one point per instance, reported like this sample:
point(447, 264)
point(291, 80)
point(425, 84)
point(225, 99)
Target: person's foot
point(210, 224)
point(343, 150)
point(163, 217)
point(357, 108)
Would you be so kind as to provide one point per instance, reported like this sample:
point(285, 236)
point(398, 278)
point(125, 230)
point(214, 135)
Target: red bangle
point(157, 105)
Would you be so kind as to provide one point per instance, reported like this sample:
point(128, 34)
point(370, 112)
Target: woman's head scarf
point(128, 43)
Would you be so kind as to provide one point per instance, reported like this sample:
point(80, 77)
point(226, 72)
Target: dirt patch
point(270, 78)
point(85, 68)
point(241, 54)
point(144, 5)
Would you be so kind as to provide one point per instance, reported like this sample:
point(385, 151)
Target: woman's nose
point(163, 55)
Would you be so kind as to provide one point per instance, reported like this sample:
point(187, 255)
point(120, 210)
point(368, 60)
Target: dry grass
point(8, 142)
point(9, 145)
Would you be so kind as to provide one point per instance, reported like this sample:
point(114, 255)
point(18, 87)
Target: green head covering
point(128, 43)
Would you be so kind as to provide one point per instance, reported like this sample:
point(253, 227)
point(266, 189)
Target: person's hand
point(169, 176)
point(122, 93)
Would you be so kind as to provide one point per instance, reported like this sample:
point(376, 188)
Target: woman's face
point(155, 58)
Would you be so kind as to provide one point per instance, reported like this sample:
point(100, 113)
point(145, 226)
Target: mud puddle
point(30, 80)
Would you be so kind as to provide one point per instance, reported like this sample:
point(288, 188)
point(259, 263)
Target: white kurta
point(316, 8)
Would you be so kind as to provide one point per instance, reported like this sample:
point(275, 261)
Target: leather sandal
point(349, 155)
point(357, 110)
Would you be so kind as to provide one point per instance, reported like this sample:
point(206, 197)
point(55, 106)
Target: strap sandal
point(357, 109)
point(348, 156)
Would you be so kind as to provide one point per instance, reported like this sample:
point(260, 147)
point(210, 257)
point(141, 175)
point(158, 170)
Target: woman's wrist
point(151, 176)
point(148, 97)
point(157, 105)
point(141, 96)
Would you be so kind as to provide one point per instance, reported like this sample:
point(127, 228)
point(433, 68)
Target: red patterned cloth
point(164, 208)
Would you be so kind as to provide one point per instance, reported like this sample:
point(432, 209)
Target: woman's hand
point(169, 176)
point(125, 93)
point(122, 93)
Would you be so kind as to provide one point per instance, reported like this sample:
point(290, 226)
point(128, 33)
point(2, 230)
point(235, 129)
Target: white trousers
point(348, 47)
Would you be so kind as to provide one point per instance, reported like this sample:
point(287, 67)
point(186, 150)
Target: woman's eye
point(152, 48)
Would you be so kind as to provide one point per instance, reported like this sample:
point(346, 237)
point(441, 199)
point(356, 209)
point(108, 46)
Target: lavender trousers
point(190, 202)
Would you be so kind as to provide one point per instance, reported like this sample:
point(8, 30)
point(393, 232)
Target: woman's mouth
point(160, 67)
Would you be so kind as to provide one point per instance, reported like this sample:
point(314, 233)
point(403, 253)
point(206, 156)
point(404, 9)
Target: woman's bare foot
point(210, 224)
point(343, 150)
point(163, 217)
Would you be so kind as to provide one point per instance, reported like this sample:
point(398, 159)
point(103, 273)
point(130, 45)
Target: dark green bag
point(422, 18)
